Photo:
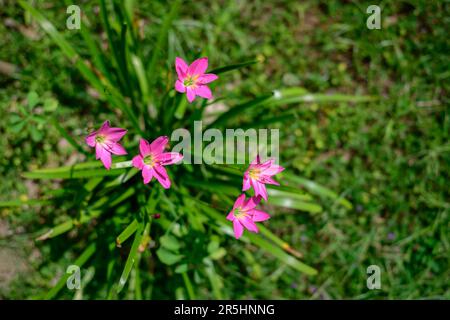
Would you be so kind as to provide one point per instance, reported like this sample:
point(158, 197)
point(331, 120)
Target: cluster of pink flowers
point(244, 213)
point(152, 158)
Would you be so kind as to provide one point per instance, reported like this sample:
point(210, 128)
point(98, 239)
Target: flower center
point(190, 81)
point(100, 138)
point(239, 213)
point(149, 160)
point(254, 173)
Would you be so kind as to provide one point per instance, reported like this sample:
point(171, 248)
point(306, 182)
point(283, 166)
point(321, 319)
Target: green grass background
point(390, 157)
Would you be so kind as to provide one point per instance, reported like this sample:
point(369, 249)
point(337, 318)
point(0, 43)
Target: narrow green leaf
point(188, 284)
point(103, 87)
point(19, 202)
point(82, 259)
point(317, 189)
point(67, 136)
point(162, 36)
point(131, 257)
point(292, 203)
point(79, 170)
point(129, 230)
point(233, 67)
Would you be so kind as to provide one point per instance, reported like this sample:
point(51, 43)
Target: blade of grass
point(317, 189)
point(162, 35)
point(68, 225)
point(131, 257)
point(129, 230)
point(188, 284)
point(233, 67)
point(79, 170)
point(19, 202)
point(292, 203)
point(67, 136)
point(99, 83)
point(82, 259)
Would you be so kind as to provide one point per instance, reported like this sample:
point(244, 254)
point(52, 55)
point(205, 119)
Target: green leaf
point(317, 189)
point(67, 136)
point(101, 84)
point(18, 202)
point(162, 35)
point(141, 76)
point(33, 99)
point(169, 242)
point(77, 171)
point(168, 257)
point(218, 254)
point(129, 230)
point(188, 284)
point(131, 257)
point(281, 255)
point(292, 203)
point(82, 259)
point(182, 268)
point(233, 67)
point(281, 97)
point(16, 128)
point(240, 109)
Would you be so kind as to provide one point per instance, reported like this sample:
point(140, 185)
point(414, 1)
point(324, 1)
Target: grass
point(389, 158)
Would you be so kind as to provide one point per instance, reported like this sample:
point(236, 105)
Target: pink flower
point(105, 140)
point(152, 160)
point(244, 215)
point(193, 79)
point(258, 174)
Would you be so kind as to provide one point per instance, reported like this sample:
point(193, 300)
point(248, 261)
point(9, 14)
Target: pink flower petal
point(249, 224)
point(246, 183)
point(179, 86)
point(239, 201)
point(273, 169)
point(90, 139)
point(106, 159)
point(207, 78)
point(181, 67)
point(158, 145)
point(147, 174)
point(144, 147)
point(167, 158)
point(117, 149)
point(105, 126)
point(230, 216)
point(203, 91)
point(260, 189)
point(251, 203)
point(269, 180)
point(190, 94)
point(161, 175)
point(259, 215)
point(138, 162)
point(238, 228)
point(99, 150)
point(198, 67)
point(114, 134)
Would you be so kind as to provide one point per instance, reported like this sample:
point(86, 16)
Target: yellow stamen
point(254, 173)
point(149, 160)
